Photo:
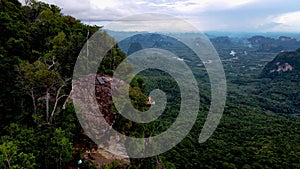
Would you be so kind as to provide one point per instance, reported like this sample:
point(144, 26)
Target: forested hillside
point(38, 50)
point(280, 93)
point(284, 65)
point(39, 47)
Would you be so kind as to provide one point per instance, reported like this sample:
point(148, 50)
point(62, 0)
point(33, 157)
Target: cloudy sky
point(206, 15)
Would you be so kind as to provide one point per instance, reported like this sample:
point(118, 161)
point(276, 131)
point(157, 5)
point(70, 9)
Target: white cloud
point(151, 22)
point(222, 15)
point(114, 8)
point(103, 4)
point(181, 7)
point(288, 21)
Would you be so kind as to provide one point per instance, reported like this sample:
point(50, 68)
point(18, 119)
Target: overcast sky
point(206, 15)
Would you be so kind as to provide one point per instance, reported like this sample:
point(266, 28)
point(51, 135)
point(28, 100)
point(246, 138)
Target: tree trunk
point(47, 106)
point(33, 102)
point(57, 99)
point(159, 163)
point(59, 160)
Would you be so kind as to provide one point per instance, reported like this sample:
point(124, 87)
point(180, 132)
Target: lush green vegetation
point(38, 49)
point(39, 129)
point(259, 128)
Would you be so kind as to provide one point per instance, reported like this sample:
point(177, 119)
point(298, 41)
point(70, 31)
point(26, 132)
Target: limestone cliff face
point(92, 101)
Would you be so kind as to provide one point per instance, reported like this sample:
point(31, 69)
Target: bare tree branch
point(53, 63)
point(57, 98)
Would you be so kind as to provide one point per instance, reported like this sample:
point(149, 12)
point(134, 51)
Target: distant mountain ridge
point(146, 40)
point(267, 44)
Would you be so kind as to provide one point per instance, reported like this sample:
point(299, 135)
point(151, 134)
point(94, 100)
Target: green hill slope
point(285, 65)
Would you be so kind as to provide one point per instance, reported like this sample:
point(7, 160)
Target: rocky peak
point(284, 64)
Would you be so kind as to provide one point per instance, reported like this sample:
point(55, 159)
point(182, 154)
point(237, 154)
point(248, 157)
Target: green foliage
point(11, 157)
point(22, 145)
point(87, 165)
point(38, 49)
point(111, 61)
point(60, 149)
point(248, 135)
point(37, 75)
point(36, 35)
point(115, 164)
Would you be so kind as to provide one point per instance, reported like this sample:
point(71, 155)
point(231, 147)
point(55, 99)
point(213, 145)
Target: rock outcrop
point(92, 102)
